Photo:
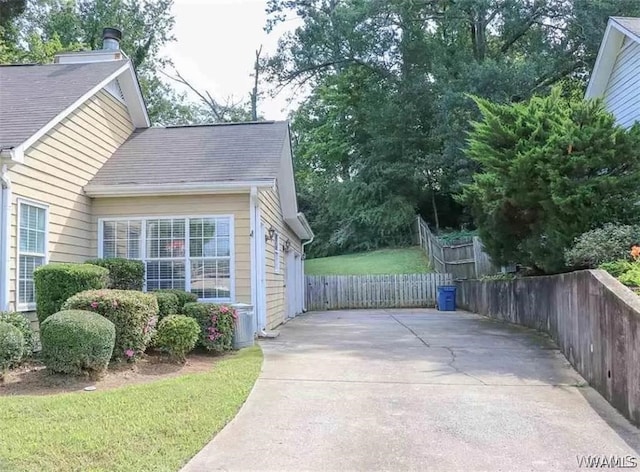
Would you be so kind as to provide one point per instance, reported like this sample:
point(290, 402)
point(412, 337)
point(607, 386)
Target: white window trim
point(24, 201)
point(143, 248)
point(276, 253)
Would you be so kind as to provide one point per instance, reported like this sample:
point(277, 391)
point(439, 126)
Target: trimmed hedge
point(56, 282)
point(168, 304)
point(134, 315)
point(124, 274)
point(11, 346)
point(24, 325)
point(178, 335)
point(217, 323)
point(77, 342)
point(184, 297)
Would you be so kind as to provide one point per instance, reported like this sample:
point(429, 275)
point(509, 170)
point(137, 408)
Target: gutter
point(305, 224)
point(12, 155)
point(182, 188)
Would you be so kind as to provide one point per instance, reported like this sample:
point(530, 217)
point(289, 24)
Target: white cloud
point(216, 44)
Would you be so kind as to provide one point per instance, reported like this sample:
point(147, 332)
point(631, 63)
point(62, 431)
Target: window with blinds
point(193, 254)
point(32, 249)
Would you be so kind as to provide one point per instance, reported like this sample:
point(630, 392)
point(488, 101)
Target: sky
point(215, 49)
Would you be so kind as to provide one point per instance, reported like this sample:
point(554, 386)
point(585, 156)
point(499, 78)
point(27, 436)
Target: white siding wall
point(622, 95)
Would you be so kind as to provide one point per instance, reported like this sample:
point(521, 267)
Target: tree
point(212, 110)
point(50, 26)
point(551, 168)
point(421, 61)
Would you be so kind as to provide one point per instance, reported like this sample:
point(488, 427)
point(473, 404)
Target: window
point(192, 254)
point(122, 239)
point(276, 254)
point(32, 249)
point(165, 253)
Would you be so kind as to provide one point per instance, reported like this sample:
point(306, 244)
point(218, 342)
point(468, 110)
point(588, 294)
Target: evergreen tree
point(551, 168)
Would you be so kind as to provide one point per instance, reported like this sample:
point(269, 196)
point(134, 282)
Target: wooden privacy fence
point(335, 292)
point(464, 260)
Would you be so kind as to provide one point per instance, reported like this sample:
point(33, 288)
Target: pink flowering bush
point(134, 314)
point(217, 323)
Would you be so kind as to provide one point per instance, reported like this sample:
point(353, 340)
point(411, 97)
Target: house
point(616, 74)
point(209, 209)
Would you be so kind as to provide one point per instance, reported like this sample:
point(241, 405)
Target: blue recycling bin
point(446, 298)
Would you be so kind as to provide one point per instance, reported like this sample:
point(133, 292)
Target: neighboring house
point(210, 209)
point(616, 74)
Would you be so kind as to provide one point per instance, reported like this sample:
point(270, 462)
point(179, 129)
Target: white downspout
point(5, 230)
point(253, 225)
point(304, 298)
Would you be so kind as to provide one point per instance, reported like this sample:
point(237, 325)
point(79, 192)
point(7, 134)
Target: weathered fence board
point(464, 260)
point(335, 292)
point(594, 319)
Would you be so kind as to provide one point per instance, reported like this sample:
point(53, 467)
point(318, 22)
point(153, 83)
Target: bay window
point(32, 249)
point(193, 254)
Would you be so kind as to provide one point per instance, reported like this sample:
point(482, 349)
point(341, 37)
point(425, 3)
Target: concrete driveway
point(416, 390)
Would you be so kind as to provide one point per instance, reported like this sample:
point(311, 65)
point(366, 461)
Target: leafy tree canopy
point(389, 107)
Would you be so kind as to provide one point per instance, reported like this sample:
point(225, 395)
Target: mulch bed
point(32, 378)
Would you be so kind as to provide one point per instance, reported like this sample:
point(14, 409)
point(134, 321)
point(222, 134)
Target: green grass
point(410, 260)
point(157, 426)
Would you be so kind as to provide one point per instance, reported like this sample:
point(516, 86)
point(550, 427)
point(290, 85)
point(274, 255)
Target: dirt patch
point(34, 379)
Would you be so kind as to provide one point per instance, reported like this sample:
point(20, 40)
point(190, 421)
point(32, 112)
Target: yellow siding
point(187, 205)
point(56, 168)
point(276, 291)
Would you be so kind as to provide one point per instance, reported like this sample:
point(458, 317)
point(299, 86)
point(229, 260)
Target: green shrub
point(617, 268)
point(11, 347)
point(168, 304)
point(217, 323)
point(24, 325)
point(460, 236)
point(77, 342)
point(134, 314)
point(631, 277)
point(124, 274)
point(184, 297)
point(178, 335)
point(56, 282)
point(609, 243)
point(548, 170)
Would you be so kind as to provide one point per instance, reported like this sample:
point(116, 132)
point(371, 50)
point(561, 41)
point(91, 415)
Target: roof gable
point(618, 28)
point(34, 98)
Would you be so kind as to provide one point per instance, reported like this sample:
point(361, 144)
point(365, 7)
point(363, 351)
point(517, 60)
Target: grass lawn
point(156, 426)
point(411, 260)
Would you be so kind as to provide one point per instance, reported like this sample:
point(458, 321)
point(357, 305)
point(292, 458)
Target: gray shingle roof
point(32, 95)
point(629, 23)
point(197, 154)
